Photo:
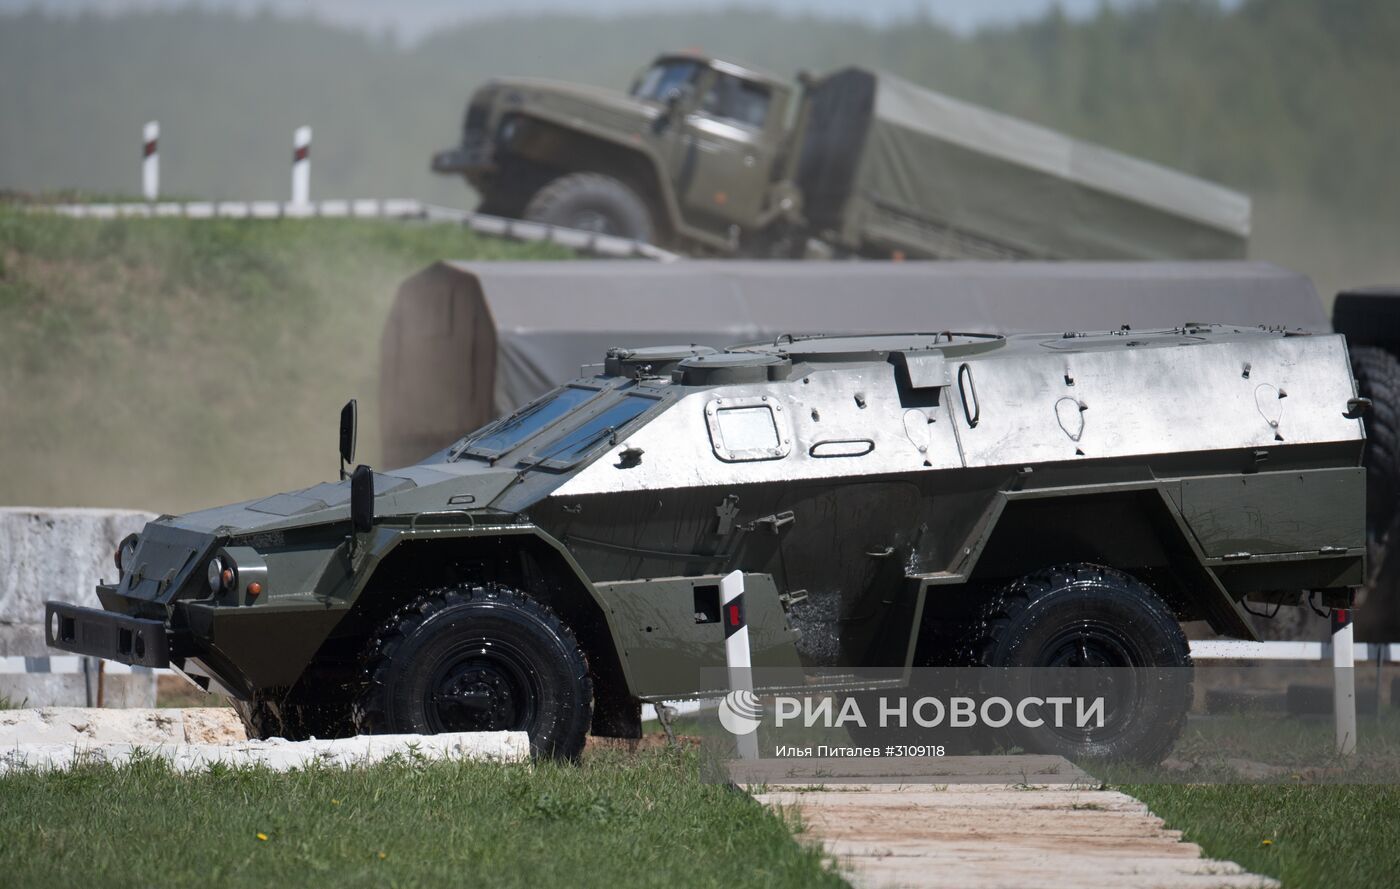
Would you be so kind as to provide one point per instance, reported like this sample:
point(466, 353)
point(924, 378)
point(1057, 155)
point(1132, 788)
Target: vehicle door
point(726, 151)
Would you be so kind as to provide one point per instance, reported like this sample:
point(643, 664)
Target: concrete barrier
point(48, 553)
point(84, 727)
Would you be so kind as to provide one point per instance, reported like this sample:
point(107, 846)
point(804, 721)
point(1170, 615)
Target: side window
point(660, 79)
point(739, 101)
point(744, 429)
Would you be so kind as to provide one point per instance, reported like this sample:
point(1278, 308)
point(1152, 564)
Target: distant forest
point(1295, 101)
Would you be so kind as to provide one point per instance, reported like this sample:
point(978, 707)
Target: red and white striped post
point(150, 161)
point(736, 649)
point(301, 166)
point(1344, 681)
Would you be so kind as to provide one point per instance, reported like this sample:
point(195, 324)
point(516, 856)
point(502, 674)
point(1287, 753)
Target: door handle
point(966, 387)
point(882, 554)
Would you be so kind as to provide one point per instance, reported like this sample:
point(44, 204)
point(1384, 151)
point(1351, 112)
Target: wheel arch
point(1139, 531)
point(408, 562)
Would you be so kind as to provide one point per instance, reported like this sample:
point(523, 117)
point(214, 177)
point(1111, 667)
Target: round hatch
point(725, 368)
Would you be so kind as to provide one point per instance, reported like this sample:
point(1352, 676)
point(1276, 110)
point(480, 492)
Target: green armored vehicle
point(892, 501)
point(711, 158)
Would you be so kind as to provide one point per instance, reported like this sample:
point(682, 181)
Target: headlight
point(125, 551)
point(220, 575)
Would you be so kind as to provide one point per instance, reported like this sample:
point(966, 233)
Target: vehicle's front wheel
point(1088, 616)
point(478, 658)
point(592, 202)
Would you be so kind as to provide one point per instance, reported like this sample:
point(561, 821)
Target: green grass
point(1309, 837)
point(616, 821)
point(169, 364)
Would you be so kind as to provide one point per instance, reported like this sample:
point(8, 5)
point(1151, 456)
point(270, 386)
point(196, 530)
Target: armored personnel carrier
point(892, 501)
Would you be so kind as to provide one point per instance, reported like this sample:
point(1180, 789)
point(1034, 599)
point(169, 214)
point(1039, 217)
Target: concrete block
point(48, 553)
point(57, 554)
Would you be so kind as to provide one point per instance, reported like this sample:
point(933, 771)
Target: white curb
point(277, 754)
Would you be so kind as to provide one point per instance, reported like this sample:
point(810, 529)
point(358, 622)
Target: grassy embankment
point(616, 821)
point(172, 364)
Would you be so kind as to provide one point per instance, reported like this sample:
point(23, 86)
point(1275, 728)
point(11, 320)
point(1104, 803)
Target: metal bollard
point(301, 166)
point(736, 653)
point(1344, 679)
point(150, 161)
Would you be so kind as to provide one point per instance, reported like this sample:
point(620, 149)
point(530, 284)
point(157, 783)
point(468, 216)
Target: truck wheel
point(592, 202)
point(1377, 375)
point(1088, 616)
point(478, 659)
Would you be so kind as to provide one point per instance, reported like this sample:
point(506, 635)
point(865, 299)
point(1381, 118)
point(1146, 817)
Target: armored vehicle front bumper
point(140, 641)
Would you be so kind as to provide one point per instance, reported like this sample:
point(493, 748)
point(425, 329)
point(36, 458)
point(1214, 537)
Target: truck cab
point(721, 135)
point(688, 156)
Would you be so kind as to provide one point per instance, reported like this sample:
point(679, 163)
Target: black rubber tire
point(1377, 375)
point(593, 202)
point(1028, 623)
point(489, 644)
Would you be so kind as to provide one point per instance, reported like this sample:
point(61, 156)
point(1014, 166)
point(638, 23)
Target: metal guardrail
point(1201, 650)
point(592, 243)
point(1239, 650)
point(68, 665)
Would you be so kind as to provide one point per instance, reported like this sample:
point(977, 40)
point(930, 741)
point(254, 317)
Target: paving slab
point(990, 836)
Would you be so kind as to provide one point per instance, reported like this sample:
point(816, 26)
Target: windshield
point(570, 447)
point(663, 77)
point(498, 437)
point(741, 101)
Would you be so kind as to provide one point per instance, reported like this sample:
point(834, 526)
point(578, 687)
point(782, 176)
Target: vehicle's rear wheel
point(478, 658)
point(1078, 616)
point(592, 202)
point(1377, 375)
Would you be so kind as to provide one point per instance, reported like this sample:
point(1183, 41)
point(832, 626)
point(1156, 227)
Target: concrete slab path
point(989, 836)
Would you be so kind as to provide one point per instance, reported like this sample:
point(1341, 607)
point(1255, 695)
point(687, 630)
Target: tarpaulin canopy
point(886, 162)
point(468, 340)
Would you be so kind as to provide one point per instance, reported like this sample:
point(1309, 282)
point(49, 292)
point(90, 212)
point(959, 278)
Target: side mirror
point(362, 499)
point(349, 422)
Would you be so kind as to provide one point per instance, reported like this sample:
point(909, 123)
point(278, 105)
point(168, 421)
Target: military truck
point(891, 500)
point(711, 158)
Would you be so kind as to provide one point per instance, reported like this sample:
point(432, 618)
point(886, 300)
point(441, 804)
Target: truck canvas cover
point(889, 163)
point(467, 341)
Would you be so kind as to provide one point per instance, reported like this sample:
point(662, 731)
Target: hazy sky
point(411, 18)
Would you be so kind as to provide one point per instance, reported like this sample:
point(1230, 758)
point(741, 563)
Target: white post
point(736, 652)
point(150, 161)
point(1344, 680)
point(301, 166)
